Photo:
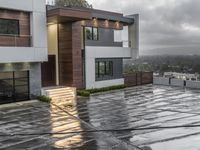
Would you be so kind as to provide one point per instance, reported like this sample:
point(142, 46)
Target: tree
point(73, 3)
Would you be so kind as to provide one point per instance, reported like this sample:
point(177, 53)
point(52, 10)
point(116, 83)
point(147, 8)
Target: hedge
point(43, 98)
point(86, 93)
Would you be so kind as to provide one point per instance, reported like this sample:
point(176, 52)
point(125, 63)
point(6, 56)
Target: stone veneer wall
point(35, 79)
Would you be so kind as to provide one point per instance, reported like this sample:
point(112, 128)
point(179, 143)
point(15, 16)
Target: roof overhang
point(60, 14)
point(122, 19)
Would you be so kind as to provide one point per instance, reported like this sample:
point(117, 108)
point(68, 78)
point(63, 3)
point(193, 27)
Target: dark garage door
point(14, 86)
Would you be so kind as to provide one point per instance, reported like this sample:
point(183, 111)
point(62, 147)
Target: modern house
point(85, 47)
point(23, 46)
point(53, 46)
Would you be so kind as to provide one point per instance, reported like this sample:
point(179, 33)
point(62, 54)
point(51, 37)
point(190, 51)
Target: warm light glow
point(83, 22)
point(117, 25)
point(95, 22)
point(26, 65)
point(106, 23)
point(8, 66)
point(69, 124)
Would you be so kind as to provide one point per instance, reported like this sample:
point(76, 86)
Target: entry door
point(49, 71)
point(14, 86)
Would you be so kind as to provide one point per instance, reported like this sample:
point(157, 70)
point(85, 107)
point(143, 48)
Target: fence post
point(136, 78)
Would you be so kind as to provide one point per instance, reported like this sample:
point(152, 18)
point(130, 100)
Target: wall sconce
point(8, 67)
point(117, 25)
point(83, 22)
point(107, 23)
point(95, 22)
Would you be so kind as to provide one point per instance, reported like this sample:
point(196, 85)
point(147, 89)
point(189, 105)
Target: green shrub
point(43, 98)
point(83, 93)
point(86, 93)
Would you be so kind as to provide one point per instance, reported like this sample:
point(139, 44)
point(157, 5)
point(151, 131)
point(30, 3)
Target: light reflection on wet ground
point(143, 106)
point(148, 106)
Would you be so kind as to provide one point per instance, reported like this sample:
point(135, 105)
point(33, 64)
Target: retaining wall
point(176, 82)
point(160, 81)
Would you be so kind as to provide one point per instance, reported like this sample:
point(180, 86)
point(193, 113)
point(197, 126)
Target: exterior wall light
point(117, 25)
point(95, 22)
point(83, 22)
point(107, 23)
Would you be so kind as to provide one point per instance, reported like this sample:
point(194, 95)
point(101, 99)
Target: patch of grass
point(43, 98)
point(86, 93)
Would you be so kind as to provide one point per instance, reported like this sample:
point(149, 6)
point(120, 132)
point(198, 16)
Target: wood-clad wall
point(69, 54)
point(65, 54)
point(24, 38)
point(77, 55)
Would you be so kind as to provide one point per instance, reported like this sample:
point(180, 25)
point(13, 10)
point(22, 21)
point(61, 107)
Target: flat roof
point(64, 14)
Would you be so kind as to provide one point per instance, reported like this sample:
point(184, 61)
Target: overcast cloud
point(163, 23)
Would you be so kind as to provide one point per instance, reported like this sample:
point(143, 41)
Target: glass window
point(95, 33)
point(88, 33)
point(9, 27)
point(6, 75)
point(109, 67)
point(14, 86)
point(91, 33)
point(97, 69)
point(103, 68)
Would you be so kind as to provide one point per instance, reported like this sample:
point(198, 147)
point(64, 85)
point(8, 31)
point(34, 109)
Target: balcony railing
point(9, 40)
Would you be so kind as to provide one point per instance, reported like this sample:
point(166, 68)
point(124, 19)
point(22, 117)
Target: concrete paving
point(144, 107)
point(137, 107)
point(30, 126)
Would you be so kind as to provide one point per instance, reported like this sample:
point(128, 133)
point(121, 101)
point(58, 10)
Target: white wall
point(92, 52)
point(108, 52)
point(38, 51)
point(177, 82)
point(193, 84)
point(21, 54)
point(133, 34)
point(160, 81)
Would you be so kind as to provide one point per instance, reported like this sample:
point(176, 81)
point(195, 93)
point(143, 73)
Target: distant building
point(183, 76)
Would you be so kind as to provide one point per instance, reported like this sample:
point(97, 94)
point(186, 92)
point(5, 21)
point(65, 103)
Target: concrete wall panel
point(177, 82)
point(193, 84)
point(160, 81)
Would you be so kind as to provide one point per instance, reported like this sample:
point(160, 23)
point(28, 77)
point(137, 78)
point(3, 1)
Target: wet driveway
point(41, 126)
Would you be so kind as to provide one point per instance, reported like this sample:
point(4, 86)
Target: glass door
point(14, 86)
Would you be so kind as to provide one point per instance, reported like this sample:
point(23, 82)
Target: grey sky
point(163, 23)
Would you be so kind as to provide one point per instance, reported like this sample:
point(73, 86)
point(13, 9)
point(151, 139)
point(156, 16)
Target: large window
point(9, 27)
point(91, 33)
point(104, 69)
point(14, 86)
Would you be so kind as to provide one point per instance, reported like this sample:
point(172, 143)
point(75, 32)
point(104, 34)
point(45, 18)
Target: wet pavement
point(136, 107)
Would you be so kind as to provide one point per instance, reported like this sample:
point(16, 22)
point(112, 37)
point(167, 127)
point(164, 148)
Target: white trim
point(93, 52)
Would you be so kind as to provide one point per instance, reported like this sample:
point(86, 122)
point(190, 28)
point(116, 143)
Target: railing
point(11, 40)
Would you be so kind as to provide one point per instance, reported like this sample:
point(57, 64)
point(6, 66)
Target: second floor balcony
point(8, 40)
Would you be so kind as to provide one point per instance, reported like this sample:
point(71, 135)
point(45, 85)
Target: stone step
point(61, 94)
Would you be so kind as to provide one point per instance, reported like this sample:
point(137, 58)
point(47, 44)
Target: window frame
point(92, 33)
point(107, 69)
point(18, 28)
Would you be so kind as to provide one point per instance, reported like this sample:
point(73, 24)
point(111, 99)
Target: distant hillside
point(172, 51)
